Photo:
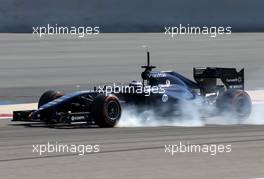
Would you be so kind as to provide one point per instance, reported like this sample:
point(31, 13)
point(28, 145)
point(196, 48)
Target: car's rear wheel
point(106, 110)
point(236, 103)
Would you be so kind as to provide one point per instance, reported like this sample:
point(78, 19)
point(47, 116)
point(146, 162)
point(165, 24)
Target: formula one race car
point(222, 88)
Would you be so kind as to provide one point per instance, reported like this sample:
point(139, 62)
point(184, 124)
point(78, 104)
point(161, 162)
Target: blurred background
point(131, 15)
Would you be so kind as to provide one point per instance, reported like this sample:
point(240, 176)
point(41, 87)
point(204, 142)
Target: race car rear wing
point(208, 78)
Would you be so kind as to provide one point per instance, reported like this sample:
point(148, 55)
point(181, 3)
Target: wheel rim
point(113, 110)
point(242, 107)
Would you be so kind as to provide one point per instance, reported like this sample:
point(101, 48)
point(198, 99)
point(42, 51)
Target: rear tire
point(235, 102)
point(106, 110)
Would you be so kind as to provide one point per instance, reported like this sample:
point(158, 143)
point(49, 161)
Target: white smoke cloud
point(257, 115)
point(131, 117)
point(192, 117)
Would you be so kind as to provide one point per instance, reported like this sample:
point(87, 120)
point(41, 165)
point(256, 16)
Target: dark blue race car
point(163, 91)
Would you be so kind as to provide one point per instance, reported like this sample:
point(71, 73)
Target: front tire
point(49, 96)
point(106, 110)
point(44, 99)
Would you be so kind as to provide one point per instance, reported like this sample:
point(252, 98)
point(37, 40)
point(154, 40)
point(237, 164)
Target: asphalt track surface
point(131, 152)
point(30, 65)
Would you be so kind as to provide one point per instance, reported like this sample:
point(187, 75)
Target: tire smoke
point(192, 116)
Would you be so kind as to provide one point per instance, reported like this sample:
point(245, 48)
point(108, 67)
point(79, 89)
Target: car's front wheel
point(106, 110)
point(49, 96)
point(46, 97)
